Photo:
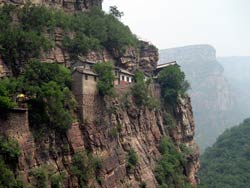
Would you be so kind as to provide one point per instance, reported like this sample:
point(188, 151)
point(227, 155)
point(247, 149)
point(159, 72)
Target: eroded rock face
point(67, 5)
point(148, 57)
point(4, 70)
point(184, 134)
point(137, 128)
point(144, 58)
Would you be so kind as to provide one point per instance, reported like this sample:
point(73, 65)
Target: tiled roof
point(165, 64)
point(85, 71)
point(125, 72)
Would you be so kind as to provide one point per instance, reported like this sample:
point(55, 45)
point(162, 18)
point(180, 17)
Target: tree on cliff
point(6, 102)
point(169, 169)
point(113, 10)
point(105, 83)
point(47, 87)
point(140, 91)
point(173, 83)
point(9, 153)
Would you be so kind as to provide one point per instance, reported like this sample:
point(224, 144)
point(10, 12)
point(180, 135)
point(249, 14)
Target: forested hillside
point(226, 164)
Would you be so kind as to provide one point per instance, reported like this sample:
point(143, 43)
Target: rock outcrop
point(212, 99)
point(145, 58)
point(67, 5)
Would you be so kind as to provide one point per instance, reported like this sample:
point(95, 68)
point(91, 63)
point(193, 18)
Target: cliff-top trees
point(31, 33)
point(113, 10)
point(173, 83)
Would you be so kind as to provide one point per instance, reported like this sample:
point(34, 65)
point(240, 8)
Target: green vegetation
point(140, 91)
point(132, 159)
point(26, 39)
point(9, 149)
point(113, 132)
point(18, 43)
point(168, 120)
point(105, 83)
point(47, 84)
point(45, 176)
point(143, 184)
point(173, 83)
point(57, 181)
point(113, 10)
point(85, 167)
point(41, 177)
point(169, 169)
point(95, 30)
point(6, 102)
point(9, 153)
point(7, 178)
point(227, 162)
point(47, 88)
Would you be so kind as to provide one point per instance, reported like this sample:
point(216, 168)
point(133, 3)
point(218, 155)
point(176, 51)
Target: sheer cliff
point(110, 137)
point(112, 141)
point(212, 97)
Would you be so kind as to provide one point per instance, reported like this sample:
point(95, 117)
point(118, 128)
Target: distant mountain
point(226, 164)
point(236, 71)
point(212, 98)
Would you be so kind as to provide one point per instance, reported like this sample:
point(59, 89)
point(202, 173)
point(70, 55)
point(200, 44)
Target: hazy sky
point(224, 24)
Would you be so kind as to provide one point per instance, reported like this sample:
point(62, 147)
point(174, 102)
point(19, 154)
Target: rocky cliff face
point(114, 127)
point(212, 99)
point(110, 136)
point(111, 130)
point(67, 5)
point(144, 58)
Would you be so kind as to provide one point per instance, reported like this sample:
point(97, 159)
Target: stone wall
point(16, 126)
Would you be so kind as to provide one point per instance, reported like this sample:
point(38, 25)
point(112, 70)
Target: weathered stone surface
point(75, 138)
point(145, 58)
point(140, 129)
point(67, 5)
point(4, 71)
point(148, 57)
